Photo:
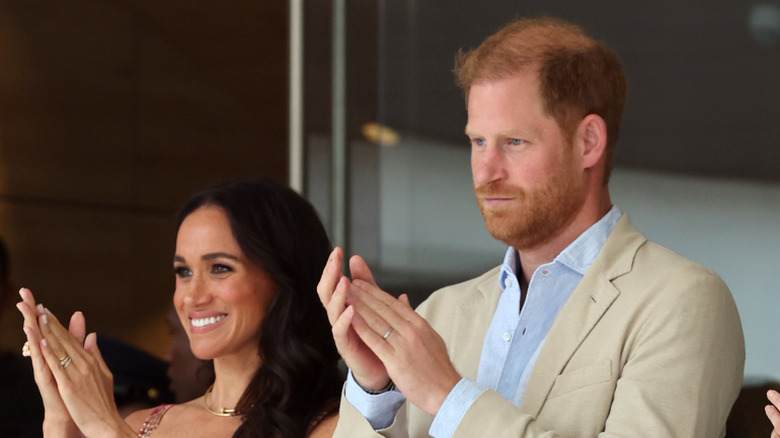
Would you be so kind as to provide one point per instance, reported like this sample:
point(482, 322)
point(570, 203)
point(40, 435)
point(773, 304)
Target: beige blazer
point(649, 344)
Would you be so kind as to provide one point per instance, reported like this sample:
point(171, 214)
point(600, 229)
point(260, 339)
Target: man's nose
point(488, 165)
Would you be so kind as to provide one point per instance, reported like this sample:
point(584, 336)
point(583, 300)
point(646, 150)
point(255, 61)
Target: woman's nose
point(196, 292)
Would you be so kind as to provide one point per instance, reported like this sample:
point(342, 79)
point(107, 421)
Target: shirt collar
point(508, 267)
point(579, 255)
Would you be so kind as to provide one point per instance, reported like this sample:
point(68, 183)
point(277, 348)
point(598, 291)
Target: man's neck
point(531, 258)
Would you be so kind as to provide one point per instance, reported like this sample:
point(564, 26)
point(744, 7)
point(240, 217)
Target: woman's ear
point(592, 133)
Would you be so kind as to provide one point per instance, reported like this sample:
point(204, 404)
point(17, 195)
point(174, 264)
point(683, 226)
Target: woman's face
point(221, 297)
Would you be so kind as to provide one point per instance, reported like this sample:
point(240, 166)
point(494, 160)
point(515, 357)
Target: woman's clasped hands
point(75, 384)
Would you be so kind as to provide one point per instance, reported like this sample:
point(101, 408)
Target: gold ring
point(65, 361)
point(387, 333)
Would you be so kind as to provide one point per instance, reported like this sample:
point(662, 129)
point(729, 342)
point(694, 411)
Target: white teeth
point(200, 322)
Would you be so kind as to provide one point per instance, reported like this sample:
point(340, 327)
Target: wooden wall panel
point(111, 114)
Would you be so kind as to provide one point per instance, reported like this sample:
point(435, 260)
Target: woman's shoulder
point(146, 419)
point(137, 418)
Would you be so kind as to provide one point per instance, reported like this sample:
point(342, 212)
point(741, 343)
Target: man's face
point(527, 179)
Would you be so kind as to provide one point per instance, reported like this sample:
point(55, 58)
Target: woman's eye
point(182, 271)
point(220, 269)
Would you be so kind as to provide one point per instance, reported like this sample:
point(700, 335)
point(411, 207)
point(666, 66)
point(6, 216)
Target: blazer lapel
point(471, 320)
point(588, 302)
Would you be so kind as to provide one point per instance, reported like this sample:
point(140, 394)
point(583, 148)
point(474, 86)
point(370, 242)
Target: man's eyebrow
point(508, 133)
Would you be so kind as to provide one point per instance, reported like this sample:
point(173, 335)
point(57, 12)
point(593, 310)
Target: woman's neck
point(232, 375)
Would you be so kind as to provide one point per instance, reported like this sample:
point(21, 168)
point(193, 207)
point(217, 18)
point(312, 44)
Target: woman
point(248, 258)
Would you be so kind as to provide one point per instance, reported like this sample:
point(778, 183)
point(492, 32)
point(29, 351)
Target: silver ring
point(65, 361)
point(387, 333)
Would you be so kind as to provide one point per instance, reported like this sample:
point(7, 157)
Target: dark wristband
point(389, 387)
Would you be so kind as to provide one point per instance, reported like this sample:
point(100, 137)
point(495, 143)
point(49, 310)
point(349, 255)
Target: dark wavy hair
point(299, 382)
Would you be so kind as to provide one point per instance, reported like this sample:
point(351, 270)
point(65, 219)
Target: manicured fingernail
point(44, 343)
point(40, 309)
point(45, 319)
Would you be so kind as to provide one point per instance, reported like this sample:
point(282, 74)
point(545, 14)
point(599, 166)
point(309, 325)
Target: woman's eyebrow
point(217, 255)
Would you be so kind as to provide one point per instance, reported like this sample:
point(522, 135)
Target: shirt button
point(507, 282)
point(506, 336)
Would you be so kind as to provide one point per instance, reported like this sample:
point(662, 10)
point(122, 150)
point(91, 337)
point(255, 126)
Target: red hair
point(577, 75)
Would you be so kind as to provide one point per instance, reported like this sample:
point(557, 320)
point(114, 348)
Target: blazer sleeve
point(352, 424)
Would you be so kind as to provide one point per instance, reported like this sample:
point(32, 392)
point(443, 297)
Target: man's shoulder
point(655, 261)
point(646, 268)
point(628, 252)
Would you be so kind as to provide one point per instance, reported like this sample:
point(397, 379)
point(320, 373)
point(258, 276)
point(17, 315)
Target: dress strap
point(153, 420)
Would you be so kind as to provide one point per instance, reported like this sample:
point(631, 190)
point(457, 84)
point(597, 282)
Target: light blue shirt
point(514, 338)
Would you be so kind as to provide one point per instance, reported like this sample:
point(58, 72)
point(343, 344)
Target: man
point(587, 327)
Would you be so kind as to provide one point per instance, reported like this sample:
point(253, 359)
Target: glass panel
point(702, 103)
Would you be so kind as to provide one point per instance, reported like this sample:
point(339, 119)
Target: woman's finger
point(28, 309)
point(90, 344)
point(40, 369)
point(78, 326)
point(27, 297)
point(60, 349)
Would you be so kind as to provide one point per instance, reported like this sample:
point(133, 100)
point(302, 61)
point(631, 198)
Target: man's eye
point(182, 271)
point(517, 141)
point(478, 141)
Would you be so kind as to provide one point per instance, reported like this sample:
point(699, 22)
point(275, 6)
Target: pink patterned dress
point(153, 420)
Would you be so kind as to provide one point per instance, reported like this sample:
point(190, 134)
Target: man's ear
point(592, 133)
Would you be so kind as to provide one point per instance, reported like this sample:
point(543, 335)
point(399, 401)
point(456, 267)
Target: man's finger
point(396, 313)
point(377, 317)
point(359, 270)
point(331, 274)
point(338, 301)
point(372, 339)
